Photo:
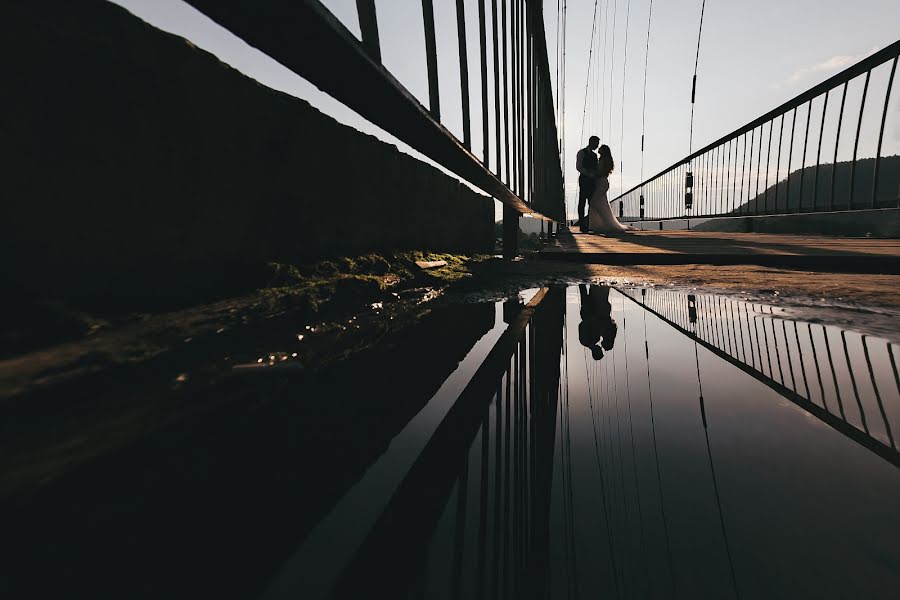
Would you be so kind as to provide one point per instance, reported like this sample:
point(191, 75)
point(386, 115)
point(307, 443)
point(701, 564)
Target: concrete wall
point(137, 167)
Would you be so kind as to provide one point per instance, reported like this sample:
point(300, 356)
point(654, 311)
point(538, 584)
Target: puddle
point(571, 442)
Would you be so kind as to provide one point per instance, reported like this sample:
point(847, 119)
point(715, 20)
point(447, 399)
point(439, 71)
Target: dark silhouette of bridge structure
point(754, 170)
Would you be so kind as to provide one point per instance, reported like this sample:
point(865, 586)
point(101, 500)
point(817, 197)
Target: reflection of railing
point(524, 173)
point(488, 467)
point(810, 365)
point(732, 177)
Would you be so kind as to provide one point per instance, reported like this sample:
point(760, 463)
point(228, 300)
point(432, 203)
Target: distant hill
point(888, 188)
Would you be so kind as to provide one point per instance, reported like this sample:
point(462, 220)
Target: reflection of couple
point(596, 320)
point(593, 184)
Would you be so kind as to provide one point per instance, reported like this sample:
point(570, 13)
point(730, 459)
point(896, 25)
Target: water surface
point(567, 443)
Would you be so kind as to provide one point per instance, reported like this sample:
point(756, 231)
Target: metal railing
point(748, 171)
point(831, 373)
point(524, 172)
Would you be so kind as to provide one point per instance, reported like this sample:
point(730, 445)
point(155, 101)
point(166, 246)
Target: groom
point(587, 164)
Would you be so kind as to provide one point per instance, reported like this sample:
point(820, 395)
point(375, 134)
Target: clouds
point(833, 64)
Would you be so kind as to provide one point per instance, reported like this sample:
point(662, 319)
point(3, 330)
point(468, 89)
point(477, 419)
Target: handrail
point(307, 38)
point(864, 66)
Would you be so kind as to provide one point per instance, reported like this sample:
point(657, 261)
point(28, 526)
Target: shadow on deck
point(817, 253)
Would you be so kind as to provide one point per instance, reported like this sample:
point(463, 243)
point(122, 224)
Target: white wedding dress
point(600, 215)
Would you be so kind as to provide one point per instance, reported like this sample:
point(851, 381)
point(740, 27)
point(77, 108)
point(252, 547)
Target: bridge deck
point(705, 247)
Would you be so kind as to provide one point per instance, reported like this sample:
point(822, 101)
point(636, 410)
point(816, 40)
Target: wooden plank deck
point(868, 255)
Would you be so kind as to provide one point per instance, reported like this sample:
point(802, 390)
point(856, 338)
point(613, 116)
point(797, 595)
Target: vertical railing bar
point(837, 388)
point(720, 160)
point(529, 129)
point(887, 99)
point(485, 126)
point(514, 100)
point(787, 353)
point(728, 177)
point(481, 556)
point(732, 177)
point(887, 424)
point(837, 140)
point(759, 166)
point(735, 206)
point(862, 106)
point(504, 31)
point(464, 72)
point(802, 365)
point(818, 370)
point(459, 536)
point(890, 350)
point(777, 352)
point(803, 158)
point(434, 101)
point(368, 26)
point(743, 171)
point(787, 193)
point(768, 160)
point(778, 159)
point(523, 54)
point(819, 154)
point(497, 127)
point(721, 185)
point(750, 171)
point(862, 411)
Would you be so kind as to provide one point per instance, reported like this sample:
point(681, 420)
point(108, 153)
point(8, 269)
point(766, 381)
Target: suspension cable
point(644, 104)
point(603, 75)
point(622, 119)
point(694, 82)
point(587, 81)
point(612, 71)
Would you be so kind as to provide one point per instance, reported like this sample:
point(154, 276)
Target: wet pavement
point(570, 442)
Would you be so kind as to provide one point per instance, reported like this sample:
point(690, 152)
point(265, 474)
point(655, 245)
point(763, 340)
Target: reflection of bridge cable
point(712, 469)
point(621, 455)
point(597, 453)
point(637, 486)
point(662, 504)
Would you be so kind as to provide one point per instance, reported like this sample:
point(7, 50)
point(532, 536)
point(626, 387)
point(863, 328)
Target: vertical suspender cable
point(588, 78)
point(612, 71)
point(644, 102)
point(622, 119)
point(694, 82)
point(602, 79)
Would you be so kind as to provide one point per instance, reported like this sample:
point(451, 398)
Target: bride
point(600, 215)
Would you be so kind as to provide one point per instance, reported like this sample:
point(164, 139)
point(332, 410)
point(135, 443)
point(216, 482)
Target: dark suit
point(587, 159)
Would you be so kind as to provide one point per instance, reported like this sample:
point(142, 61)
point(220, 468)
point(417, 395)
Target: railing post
point(463, 73)
point(887, 99)
point(368, 26)
point(510, 232)
point(434, 100)
point(862, 106)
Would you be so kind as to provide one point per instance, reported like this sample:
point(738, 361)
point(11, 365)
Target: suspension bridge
point(756, 178)
point(542, 440)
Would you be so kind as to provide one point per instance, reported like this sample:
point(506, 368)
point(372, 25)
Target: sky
point(753, 57)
